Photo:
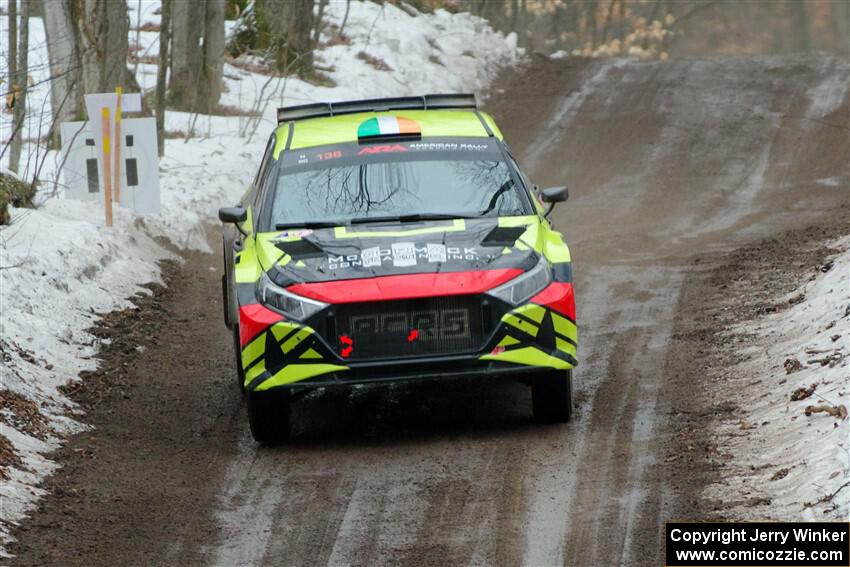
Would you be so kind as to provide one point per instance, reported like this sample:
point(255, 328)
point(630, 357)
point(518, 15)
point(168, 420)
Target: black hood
point(372, 250)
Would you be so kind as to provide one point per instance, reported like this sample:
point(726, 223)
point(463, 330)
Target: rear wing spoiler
point(424, 102)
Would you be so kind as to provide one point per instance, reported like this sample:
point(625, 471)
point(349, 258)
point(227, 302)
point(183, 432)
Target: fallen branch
point(828, 497)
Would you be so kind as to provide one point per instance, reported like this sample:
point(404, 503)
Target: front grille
point(410, 327)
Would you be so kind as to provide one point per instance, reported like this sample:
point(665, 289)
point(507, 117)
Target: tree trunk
point(300, 36)
point(103, 27)
point(212, 58)
point(290, 26)
point(344, 17)
point(187, 21)
point(318, 28)
point(162, 73)
point(13, 47)
point(20, 108)
point(66, 96)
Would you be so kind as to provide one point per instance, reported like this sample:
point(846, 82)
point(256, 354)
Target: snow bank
point(59, 266)
point(785, 464)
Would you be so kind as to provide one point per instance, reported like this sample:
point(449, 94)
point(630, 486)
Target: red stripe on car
point(405, 286)
point(253, 320)
point(559, 297)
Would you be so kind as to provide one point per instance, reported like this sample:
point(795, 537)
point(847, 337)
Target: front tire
point(269, 415)
point(552, 397)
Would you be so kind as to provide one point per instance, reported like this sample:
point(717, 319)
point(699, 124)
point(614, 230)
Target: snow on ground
point(785, 464)
point(59, 264)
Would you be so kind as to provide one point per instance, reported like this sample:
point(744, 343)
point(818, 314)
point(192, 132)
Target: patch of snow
point(826, 96)
point(833, 181)
point(799, 462)
point(60, 266)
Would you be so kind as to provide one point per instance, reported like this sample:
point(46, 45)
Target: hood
point(371, 250)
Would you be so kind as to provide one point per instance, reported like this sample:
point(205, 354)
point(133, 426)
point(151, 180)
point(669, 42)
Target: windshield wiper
point(309, 224)
point(411, 218)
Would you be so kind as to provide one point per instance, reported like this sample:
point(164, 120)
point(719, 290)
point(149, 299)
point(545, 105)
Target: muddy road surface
point(664, 160)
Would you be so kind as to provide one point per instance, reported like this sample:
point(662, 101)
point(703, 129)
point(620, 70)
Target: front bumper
point(540, 334)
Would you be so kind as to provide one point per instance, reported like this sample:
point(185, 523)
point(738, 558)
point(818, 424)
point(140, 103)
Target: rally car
point(394, 239)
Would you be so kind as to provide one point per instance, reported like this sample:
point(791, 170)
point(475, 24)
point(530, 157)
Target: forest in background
point(91, 49)
point(655, 28)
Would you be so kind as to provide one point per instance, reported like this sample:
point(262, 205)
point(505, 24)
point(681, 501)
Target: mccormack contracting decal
point(403, 254)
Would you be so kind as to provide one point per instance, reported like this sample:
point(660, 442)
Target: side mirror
point(554, 195)
point(233, 215)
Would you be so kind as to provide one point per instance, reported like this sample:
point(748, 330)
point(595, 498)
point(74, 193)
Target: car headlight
point(524, 287)
point(292, 305)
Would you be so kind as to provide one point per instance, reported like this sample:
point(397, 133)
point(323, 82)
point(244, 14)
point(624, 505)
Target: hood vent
point(503, 235)
point(300, 249)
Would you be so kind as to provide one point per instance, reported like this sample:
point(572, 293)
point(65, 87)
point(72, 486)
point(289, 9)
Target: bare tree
point(162, 73)
point(20, 86)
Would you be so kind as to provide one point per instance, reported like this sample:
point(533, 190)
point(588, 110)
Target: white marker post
point(107, 177)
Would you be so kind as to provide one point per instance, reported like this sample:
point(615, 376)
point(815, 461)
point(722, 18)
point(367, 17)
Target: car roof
point(342, 129)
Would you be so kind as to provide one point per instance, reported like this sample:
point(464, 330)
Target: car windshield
point(397, 187)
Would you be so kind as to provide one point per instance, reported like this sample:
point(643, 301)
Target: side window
point(262, 172)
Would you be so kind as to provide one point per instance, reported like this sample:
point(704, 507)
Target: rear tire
point(551, 396)
point(268, 415)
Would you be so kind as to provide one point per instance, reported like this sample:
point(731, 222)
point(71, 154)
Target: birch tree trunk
point(20, 108)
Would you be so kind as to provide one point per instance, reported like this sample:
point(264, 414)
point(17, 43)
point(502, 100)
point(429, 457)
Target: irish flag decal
point(387, 126)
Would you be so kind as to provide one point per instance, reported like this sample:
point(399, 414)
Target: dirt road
point(665, 160)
